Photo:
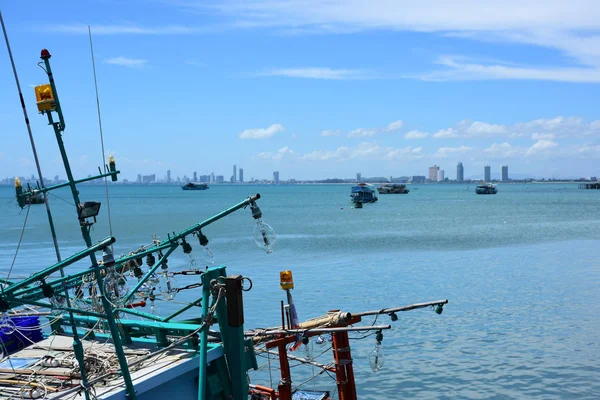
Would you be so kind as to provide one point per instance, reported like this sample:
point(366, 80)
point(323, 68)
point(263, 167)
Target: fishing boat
point(363, 193)
point(99, 344)
point(486, 188)
point(392, 188)
point(195, 186)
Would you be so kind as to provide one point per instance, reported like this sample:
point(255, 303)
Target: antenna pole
point(101, 134)
point(35, 156)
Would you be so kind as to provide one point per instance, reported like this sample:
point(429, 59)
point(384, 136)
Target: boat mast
point(85, 228)
point(35, 156)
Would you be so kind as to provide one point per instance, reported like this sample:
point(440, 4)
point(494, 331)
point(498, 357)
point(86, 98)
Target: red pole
point(344, 372)
point(285, 387)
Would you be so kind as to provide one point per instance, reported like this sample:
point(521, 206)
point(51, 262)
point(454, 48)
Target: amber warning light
point(44, 98)
point(286, 281)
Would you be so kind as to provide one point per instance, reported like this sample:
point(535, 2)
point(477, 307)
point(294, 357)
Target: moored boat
point(486, 188)
point(195, 186)
point(363, 193)
point(392, 188)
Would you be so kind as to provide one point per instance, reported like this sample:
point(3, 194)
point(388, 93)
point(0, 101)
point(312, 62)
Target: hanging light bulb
point(264, 235)
point(187, 249)
point(210, 256)
point(57, 303)
point(167, 283)
point(7, 326)
point(308, 348)
point(150, 260)
point(376, 358)
point(115, 288)
point(320, 340)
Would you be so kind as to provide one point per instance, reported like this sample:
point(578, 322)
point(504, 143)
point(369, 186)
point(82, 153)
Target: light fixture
point(89, 209)
point(210, 256)
point(187, 249)
point(393, 316)
point(167, 283)
point(116, 289)
point(376, 358)
point(439, 309)
point(7, 326)
point(264, 235)
point(308, 348)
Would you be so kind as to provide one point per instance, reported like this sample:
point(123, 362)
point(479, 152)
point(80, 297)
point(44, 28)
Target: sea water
point(520, 270)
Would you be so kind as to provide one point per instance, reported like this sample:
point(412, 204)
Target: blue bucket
point(20, 338)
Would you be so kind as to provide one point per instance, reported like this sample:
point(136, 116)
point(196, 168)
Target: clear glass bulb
point(210, 256)
point(58, 303)
point(264, 236)
point(116, 288)
point(376, 358)
point(308, 351)
point(320, 340)
point(168, 286)
point(7, 326)
point(148, 287)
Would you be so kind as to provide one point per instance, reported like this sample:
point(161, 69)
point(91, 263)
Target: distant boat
point(195, 186)
point(392, 188)
point(486, 188)
point(363, 193)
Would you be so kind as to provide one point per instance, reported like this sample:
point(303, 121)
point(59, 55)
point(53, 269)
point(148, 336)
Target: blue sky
point(314, 89)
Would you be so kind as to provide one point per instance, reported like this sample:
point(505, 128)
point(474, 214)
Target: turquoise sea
point(520, 269)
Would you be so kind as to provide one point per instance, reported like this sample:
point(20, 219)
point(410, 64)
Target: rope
point(101, 134)
point(18, 246)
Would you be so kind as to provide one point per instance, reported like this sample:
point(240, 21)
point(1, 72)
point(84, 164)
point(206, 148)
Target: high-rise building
point(241, 175)
point(195, 177)
point(504, 173)
point(168, 176)
point(276, 177)
point(358, 177)
point(460, 172)
point(212, 177)
point(204, 178)
point(139, 178)
point(219, 179)
point(234, 174)
point(433, 173)
point(487, 175)
point(440, 175)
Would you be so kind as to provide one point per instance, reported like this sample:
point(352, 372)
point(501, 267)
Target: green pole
point(203, 340)
point(108, 309)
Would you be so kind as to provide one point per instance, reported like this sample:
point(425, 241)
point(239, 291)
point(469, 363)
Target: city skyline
point(510, 91)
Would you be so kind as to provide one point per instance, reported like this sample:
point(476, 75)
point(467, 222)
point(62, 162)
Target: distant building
point(460, 172)
point(139, 178)
point(487, 175)
point(505, 173)
point(358, 177)
point(276, 177)
point(204, 178)
point(219, 179)
point(212, 177)
point(400, 179)
point(149, 178)
point(433, 173)
point(440, 175)
point(168, 176)
point(593, 178)
point(241, 175)
point(417, 179)
point(234, 174)
point(195, 177)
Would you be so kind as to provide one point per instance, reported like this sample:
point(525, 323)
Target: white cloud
point(540, 136)
point(540, 146)
point(543, 128)
point(282, 153)
point(126, 62)
point(415, 135)
point(394, 126)
point(261, 133)
point(331, 133)
point(317, 73)
point(362, 132)
point(503, 150)
point(443, 152)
